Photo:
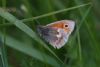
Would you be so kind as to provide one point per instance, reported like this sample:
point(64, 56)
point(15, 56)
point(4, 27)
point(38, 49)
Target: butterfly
point(57, 33)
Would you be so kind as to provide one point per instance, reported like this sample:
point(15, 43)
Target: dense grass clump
point(20, 46)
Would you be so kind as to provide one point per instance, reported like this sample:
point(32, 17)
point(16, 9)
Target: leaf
point(25, 28)
point(22, 47)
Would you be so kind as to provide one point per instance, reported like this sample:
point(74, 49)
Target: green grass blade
point(22, 47)
point(49, 14)
point(25, 29)
point(3, 54)
point(87, 24)
point(79, 50)
point(77, 34)
point(83, 19)
point(3, 47)
point(55, 12)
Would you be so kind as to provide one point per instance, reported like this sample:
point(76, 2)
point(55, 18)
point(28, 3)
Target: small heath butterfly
point(57, 33)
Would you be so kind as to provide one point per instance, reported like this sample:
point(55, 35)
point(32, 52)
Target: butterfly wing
point(62, 38)
point(56, 37)
point(62, 23)
point(55, 34)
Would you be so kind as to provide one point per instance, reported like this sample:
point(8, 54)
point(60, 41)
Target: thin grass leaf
point(83, 19)
point(56, 12)
point(3, 49)
point(92, 33)
point(25, 29)
point(22, 47)
point(79, 50)
point(3, 54)
point(51, 13)
point(88, 26)
point(77, 35)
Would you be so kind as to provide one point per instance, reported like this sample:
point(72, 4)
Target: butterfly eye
point(66, 25)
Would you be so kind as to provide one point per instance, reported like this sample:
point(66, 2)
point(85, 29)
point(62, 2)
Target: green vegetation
point(20, 46)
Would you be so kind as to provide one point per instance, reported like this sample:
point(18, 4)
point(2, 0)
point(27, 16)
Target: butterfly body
point(57, 33)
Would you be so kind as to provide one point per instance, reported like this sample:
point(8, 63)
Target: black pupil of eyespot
point(66, 25)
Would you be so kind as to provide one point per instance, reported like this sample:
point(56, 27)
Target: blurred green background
point(20, 46)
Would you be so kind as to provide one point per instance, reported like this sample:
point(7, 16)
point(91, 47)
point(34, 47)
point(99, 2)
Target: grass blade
point(49, 14)
point(55, 12)
point(22, 47)
point(3, 47)
point(25, 29)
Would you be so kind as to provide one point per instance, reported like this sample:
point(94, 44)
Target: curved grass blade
point(55, 12)
point(49, 14)
point(25, 28)
point(22, 47)
point(78, 36)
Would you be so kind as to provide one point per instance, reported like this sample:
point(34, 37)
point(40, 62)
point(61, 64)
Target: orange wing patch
point(57, 25)
point(60, 25)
